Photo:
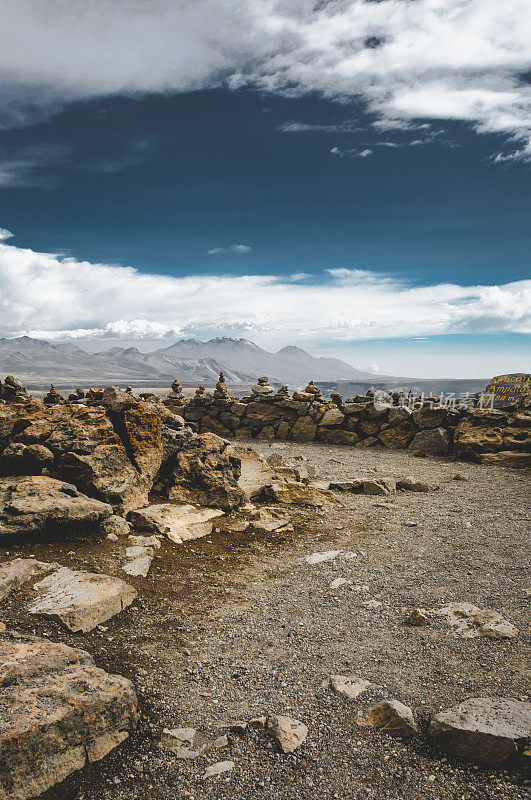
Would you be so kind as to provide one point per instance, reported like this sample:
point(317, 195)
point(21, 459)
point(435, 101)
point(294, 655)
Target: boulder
point(303, 430)
point(57, 711)
point(332, 417)
point(392, 716)
point(413, 485)
point(398, 414)
point(379, 486)
point(202, 471)
point(434, 441)
point(81, 600)
point(288, 733)
point(34, 504)
point(110, 455)
point(179, 523)
point(337, 436)
point(15, 573)
point(397, 436)
point(487, 730)
point(300, 494)
point(506, 459)
point(489, 431)
point(427, 417)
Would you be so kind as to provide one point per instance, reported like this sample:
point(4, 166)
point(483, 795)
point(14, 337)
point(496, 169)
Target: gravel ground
point(230, 627)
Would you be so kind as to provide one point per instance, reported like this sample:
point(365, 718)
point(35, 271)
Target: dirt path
point(227, 628)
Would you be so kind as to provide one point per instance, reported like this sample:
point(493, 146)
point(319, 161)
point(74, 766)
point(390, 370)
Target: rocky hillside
point(191, 362)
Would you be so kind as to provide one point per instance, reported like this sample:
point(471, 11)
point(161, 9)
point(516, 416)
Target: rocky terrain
point(190, 361)
point(206, 618)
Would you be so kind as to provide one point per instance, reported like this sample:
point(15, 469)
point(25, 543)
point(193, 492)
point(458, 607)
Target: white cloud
point(351, 152)
point(428, 59)
point(232, 248)
point(52, 296)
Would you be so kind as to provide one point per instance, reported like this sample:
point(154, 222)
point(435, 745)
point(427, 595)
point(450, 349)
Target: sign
point(509, 389)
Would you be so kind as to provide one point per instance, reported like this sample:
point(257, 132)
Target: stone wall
point(484, 435)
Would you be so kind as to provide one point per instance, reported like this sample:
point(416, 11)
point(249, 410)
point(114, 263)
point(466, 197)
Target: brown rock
point(379, 486)
point(303, 430)
point(332, 417)
point(337, 436)
point(33, 504)
point(506, 459)
point(430, 417)
point(255, 472)
point(212, 425)
point(297, 494)
point(397, 436)
point(434, 441)
point(288, 733)
point(57, 711)
point(393, 717)
point(202, 472)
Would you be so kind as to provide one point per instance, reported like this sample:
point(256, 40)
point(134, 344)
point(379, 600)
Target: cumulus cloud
point(232, 248)
point(429, 59)
point(53, 296)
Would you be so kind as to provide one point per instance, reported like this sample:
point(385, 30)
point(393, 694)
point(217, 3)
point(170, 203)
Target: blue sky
point(389, 226)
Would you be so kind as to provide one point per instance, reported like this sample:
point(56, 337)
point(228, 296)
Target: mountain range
point(190, 361)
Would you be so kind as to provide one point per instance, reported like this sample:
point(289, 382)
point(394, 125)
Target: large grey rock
point(15, 573)
point(57, 711)
point(36, 503)
point(434, 441)
point(488, 730)
point(81, 600)
point(178, 522)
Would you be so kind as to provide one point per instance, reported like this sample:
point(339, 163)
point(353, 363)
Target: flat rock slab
point(57, 711)
point(300, 494)
point(185, 742)
point(487, 730)
point(469, 621)
point(180, 523)
point(15, 573)
point(81, 600)
point(138, 567)
point(32, 504)
point(324, 555)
